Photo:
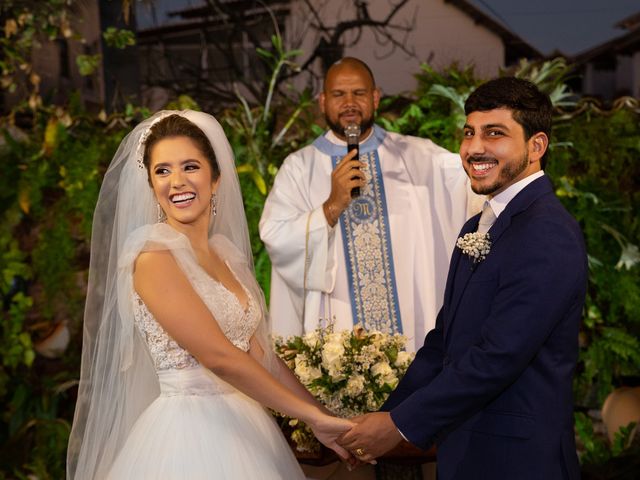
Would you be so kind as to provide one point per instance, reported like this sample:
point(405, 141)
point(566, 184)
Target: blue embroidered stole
point(367, 242)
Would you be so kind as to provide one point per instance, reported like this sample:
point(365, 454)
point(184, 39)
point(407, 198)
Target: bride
point(176, 361)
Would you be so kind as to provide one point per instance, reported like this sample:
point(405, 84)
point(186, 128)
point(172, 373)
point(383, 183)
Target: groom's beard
point(506, 174)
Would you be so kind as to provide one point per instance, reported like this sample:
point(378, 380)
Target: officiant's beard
point(338, 129)
point(507, 174)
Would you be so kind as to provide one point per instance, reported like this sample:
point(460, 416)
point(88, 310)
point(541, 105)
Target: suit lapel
point(462, 267)
point(521, 202)
point(457, 271)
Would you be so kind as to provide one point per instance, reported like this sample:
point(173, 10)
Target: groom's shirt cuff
point(404, 437)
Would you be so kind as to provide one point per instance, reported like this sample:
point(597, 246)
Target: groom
point(492, 383)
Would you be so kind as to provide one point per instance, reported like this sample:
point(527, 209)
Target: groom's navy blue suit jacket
point(492, 385)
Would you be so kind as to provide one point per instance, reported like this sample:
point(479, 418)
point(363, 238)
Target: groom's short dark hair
point(530, 107)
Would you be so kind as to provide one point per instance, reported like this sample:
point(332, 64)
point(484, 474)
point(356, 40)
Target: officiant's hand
point(347, 175)
point(327, 429)
point(374, 435)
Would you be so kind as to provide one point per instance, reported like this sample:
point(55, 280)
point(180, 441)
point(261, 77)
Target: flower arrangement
point(350, 372)
point(476, 245)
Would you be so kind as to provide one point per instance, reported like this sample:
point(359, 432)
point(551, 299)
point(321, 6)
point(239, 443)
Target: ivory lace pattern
point(200, 427)
point(237, 324)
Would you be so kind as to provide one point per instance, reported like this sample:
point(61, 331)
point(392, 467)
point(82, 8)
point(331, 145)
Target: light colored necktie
point(486, 219)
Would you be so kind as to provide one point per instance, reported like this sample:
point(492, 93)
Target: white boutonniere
point(476, 245)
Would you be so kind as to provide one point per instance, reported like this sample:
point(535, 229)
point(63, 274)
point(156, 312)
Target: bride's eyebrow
point(182, 162)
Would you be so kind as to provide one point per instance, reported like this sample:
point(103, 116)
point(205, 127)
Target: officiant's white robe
point(428, 200)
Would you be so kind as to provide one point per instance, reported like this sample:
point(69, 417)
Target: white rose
point(311, 339)
point(377, 338)
point(403, 359)
point(384, 374)
point(381, 368)
point(332, 353)
point(335, 337)
point(304, 371)
point(355, 385)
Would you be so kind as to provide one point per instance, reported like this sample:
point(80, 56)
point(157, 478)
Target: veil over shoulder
point(117, 379)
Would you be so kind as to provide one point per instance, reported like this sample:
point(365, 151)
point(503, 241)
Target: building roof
point(194, 18)
point(629, 23)
point(246, 6)
point(515, 46)
point(626, 44)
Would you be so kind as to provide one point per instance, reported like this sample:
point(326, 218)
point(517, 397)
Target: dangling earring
point(161, 216)
point(214, 201)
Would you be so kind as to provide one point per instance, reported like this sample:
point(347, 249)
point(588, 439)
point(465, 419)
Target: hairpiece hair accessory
point(143, 138)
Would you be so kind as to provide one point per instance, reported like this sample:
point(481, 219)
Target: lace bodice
point(237, 324)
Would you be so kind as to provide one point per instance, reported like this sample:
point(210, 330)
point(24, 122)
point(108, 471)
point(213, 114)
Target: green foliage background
point(53, 158)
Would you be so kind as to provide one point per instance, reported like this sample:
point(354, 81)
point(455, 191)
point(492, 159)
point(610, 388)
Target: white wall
point(442, 34)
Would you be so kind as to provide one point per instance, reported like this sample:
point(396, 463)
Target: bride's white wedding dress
point(200, 427)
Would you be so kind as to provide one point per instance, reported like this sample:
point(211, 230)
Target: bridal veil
point(117, 379)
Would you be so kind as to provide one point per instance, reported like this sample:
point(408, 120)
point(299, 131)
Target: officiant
point(362, 234)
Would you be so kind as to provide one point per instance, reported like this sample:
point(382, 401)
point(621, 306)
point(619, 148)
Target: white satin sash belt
point(191, 381)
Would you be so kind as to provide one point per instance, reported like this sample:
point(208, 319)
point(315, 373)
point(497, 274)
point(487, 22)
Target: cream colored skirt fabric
point(202, 428)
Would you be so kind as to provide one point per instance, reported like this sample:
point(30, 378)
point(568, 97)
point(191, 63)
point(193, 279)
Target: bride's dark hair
point(178, 126)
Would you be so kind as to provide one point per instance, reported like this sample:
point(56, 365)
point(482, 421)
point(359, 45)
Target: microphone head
point(352, 131)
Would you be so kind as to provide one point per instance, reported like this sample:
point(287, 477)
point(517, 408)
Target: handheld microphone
point(352, 133)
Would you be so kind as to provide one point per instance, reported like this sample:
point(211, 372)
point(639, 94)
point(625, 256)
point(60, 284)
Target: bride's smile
point(182, 180)
point(182, 200)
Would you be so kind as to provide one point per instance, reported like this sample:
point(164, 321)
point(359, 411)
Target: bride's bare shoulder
point(155, 266)
point(150, 258)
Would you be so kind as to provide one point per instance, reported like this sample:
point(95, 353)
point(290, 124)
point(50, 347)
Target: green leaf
point(276, 40)
point(259, 182)
point(88, 64)
point(622, 439)
point(119, 38)
point(29, 357)
point(450, 93)
point(264, 53)
point(245, 168)
point(184, 102)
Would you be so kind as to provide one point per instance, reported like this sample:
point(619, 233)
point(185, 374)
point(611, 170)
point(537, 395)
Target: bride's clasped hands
point(328, 429)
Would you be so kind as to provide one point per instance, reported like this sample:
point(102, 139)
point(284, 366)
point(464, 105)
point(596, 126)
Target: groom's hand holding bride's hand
point(328, 428)
point(373, 435)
